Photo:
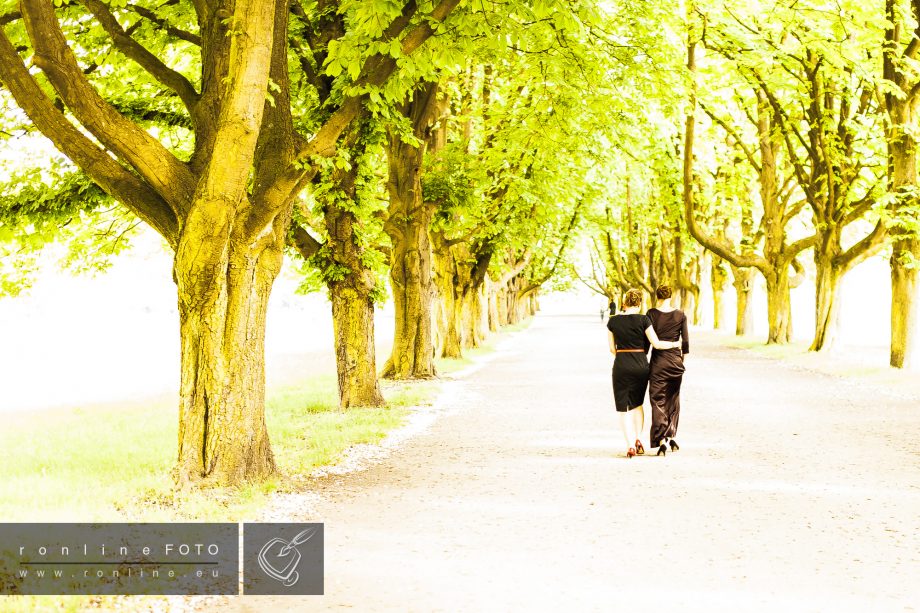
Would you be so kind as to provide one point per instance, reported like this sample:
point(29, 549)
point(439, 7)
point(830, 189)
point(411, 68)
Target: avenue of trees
point(793, 153)
point(455, 155)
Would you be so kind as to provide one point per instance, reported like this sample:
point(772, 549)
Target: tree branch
point(323, 141)
point(144, 58)
point(871, 244)
point(794, 249)
point(303, 241)
point(165, 25)
point(747, 152)
point(123, 186)
point(160, 168)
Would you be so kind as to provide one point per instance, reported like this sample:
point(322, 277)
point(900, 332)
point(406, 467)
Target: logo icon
point(279, 558)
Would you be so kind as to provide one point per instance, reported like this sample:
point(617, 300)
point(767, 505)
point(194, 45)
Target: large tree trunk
point(905, 254)
point(449, 342)
point(475, 333)
point(904, 286)
point(827, 286)
point(351, 291)
point(352, 315)
point(224, 267)
point(355, 358)
point(412, 356)
point(223, 288)
point(743, 282)
point(778, 306)
point(408, 222)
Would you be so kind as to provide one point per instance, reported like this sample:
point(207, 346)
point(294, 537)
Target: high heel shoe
point(673, 444)
point(631, 452)
point(662, 450)
point(640, 450)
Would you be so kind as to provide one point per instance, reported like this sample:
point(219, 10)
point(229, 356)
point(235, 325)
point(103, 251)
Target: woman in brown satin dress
point(666, 370)
point(629, 335)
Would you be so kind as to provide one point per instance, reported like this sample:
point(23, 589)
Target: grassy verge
point(112, 463)
point(447, 366)
point(866, 364)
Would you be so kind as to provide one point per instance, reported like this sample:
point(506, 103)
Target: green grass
point(758, 344)
point(112, 463)
point(848, 364)
point(447, 366)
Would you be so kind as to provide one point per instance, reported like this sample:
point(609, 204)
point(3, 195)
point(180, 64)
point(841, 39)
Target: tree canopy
point(456, 156)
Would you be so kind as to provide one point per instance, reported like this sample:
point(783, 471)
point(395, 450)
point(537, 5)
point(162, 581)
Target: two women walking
point(630, 334)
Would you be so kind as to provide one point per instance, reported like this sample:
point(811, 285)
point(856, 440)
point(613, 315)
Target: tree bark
point(408, 222)
point(352, 311)
point(493, 297)
point(410, 275)
point(778, 305)
point(717, 278)
point(905, 256)
point(827, 287)
point(904, 291)
point(449, 342)
point(223, 288)
point(743, 281)
point(355, 357)
point(476, 331)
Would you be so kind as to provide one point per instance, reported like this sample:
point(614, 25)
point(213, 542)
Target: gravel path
point(792, 490)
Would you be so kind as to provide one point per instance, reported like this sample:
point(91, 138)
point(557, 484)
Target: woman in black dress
point(666, 371)
point(630, 334)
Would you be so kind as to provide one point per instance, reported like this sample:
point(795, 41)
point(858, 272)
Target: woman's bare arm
point(658, 343)
point(611, 342)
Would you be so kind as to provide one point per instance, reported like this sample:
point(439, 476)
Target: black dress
point(630, 368)
point(666, 372)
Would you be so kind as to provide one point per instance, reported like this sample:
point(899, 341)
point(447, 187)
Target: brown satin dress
point(666, 371)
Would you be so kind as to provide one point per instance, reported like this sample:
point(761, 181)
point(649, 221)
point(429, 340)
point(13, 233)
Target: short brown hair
point(633, 298)
point(663, 292)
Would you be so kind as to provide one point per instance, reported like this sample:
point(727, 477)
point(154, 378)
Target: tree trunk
point(532, 304)
point(475, 334)
point(355, 359)
point(718, 277)
point(492, 296)
point(351, 290)
point(410, 275)
point(449, 342)
point(904, 286)
point(743, 282)
point(827, 286)
point(223, 289)
point(352, 315)
point(826, 293)
point(503, 302)
point(778, 306)
point(905, 256)
point(408, 221)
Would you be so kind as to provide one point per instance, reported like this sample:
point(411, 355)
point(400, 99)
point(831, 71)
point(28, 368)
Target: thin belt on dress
point(630, 350)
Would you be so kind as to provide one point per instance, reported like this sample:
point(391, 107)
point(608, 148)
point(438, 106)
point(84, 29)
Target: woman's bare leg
point(628, 426)
point(638, 417)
